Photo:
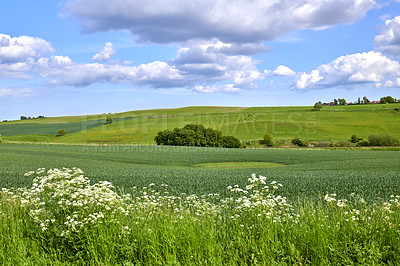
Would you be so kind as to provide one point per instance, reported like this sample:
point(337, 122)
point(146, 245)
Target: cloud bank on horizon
point(217, 44)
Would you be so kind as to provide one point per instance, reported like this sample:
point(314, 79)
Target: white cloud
point(15, 92)
point(282, 71)
point(197, 63)
point(227, 88)
point(388, 39)
point(208, 62)
point(360, 68)
point(106, 53)
point(239, 21)
point(19, 49)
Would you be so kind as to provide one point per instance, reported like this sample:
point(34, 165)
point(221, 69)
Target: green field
point(247, 124)
point(201, 171)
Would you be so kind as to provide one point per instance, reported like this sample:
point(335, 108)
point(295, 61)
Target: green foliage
point(299, 142)
point(268, 140)
point(109, 120)
point(230, 142)
point(196, 135)
point(363, 143)
point(317, 106)
point(387, 99)
point(61, 132)
point(383, 140)
point(355, 139)
point(254, 224)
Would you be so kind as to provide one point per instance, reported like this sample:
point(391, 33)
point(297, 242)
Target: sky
point(76, 57)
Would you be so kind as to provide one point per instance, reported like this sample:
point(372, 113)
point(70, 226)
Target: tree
point(342, 102)
point(61, 132)
point(358, 101)
point(268, 140)
point(335, 102)
point(317, 106)
point(23, 117)
point(387, 99)
point(365, 100)
point(109, 120)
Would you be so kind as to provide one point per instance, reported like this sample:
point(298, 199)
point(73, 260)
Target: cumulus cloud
point(208, 61)
point(18, 49)
point(388, 39)
point(239, 21)
point(360, 68)
point(197, 63)
point(282, 71)
point(106, 53)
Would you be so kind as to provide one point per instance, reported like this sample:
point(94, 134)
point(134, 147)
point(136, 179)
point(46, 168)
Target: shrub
point(230, 142)
point(383, 140)
point(299, 142)
point(268, 140)
point(355, 139)
point(109, 120)
point(396, 109)
point(61, 132)
point(363, 143)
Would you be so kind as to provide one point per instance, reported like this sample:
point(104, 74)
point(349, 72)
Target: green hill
point(245, 123)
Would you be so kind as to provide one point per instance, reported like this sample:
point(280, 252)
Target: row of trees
point(388, 99)
point(28, 117)
point(196, 135)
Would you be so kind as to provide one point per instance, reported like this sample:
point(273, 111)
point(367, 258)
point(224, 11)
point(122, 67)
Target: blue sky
point(78, 57)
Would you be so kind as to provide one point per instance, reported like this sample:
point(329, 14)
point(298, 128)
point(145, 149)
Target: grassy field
point(60, 219)
point(247, 124)
point(308, 173)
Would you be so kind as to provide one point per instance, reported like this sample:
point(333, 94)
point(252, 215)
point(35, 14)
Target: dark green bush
point(268, 140)
point(109, 120)
point(299, 142)
point(383, 140)
point(355, 139)
point(61, 132)
point(230, 142)
point(362, 143)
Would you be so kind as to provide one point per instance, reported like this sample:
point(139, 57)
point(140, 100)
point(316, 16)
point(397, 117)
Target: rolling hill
point(249, 124)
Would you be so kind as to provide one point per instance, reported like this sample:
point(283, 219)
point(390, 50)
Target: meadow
point(247, 124)
point(197, 206)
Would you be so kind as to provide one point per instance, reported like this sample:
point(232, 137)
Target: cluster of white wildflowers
point(259, 199)
point(151, 202)
point(65, 199)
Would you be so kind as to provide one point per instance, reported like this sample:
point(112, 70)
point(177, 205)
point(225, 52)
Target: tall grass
point(63, 219)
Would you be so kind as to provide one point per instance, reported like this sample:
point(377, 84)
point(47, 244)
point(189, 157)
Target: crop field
point(198, 206)
point(247, 124)
point(191, 170)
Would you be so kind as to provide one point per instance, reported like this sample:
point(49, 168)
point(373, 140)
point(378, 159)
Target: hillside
point(245, 123)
